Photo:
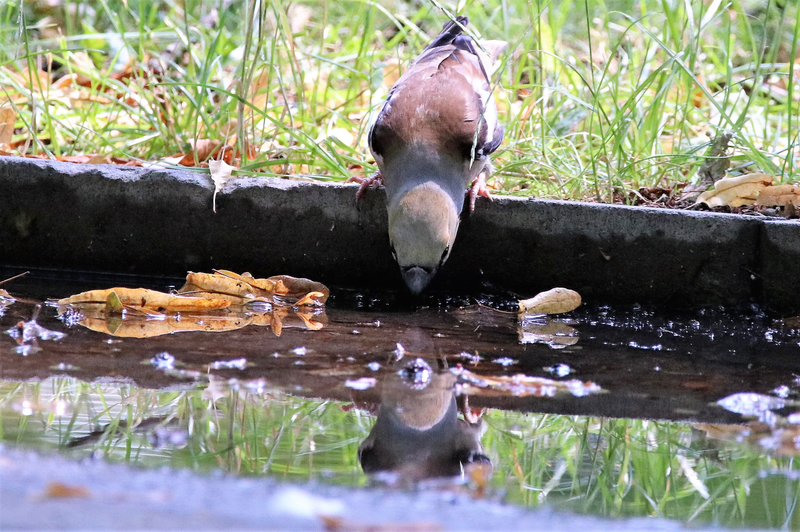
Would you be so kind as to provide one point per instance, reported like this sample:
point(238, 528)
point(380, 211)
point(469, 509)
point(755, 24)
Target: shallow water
point(694, 418)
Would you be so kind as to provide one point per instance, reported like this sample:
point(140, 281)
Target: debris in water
point(238, 363)
point(520, 385)
point(163, 361)
point(374, 366)
point(299, 351)
point(505, 361)
point(554, 333)
point(751, 404)
point(364, 383)
point(782, 391)
point(562, 370)
point(27, 331)
point(399, 351)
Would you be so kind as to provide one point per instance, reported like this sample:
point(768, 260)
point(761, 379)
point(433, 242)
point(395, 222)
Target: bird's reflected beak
point(417, 277)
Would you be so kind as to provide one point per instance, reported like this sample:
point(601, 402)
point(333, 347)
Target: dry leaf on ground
point(736, 191)
point(779, 196)
point(554, 301)
point(7, 118)
point(57, 490)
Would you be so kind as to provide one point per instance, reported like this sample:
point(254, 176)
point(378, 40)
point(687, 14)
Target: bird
point(418, 433)
point(431, 140)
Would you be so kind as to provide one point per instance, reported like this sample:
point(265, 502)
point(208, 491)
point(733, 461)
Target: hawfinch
point(432, 139)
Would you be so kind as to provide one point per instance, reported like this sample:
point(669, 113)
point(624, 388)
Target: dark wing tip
point(449, 32)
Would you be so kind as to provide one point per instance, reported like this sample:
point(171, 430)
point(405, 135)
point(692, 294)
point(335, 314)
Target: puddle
point(612, 412)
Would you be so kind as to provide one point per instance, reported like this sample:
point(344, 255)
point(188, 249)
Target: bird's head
point(423, 224)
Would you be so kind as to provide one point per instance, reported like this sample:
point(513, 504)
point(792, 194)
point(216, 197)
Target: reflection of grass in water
point(601, 466)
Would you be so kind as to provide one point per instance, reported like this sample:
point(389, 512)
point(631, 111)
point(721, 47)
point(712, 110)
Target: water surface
point(695, 418)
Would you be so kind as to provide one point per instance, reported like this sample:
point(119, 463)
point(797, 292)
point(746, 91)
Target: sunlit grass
point(598, 97)
point(611, 467)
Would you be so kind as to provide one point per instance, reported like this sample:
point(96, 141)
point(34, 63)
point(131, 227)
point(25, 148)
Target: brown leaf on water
point(207, 302)
point(231, 283)
point(144, 299)
point(57, 490)
point(299, 287)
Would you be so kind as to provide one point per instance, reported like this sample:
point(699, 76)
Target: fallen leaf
point(736, 191)
point(221, 173)
point(142, 298)
point(99, 159)
point(203, 149)
point(298, 287)
point(779, 196)
point(7, 118)
point(554, 301)
point(57, 490)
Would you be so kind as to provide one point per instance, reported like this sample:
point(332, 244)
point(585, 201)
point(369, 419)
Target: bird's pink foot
point(373, 181)
point(478, 188)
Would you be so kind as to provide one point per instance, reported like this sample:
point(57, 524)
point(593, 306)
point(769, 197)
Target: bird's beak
point(417, 277)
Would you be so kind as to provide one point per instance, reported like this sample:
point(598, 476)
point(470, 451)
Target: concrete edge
point(160, 222)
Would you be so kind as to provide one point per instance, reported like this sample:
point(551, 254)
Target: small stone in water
point(374, 366)
point(300, 351)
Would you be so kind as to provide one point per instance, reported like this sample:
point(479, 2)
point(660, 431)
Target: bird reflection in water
point(419, 435)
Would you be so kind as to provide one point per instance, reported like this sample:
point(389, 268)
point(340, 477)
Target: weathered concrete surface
point(122, 498)
point(145, 221)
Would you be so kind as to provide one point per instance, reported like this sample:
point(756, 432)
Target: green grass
point(609, 467)
point(599, 97)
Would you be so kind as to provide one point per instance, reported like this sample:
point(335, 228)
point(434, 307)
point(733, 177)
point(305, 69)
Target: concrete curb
point(160, 222)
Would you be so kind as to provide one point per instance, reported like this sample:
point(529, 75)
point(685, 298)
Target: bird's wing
point(443, 104)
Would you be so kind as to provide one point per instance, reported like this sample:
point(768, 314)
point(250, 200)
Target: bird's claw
point(373, 181)
point(478, 188)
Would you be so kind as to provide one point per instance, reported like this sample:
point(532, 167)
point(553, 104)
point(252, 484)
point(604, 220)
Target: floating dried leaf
point(554, 301)
point(142, 298)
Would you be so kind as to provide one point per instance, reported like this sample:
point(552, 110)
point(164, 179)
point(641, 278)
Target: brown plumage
point(431, 139)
